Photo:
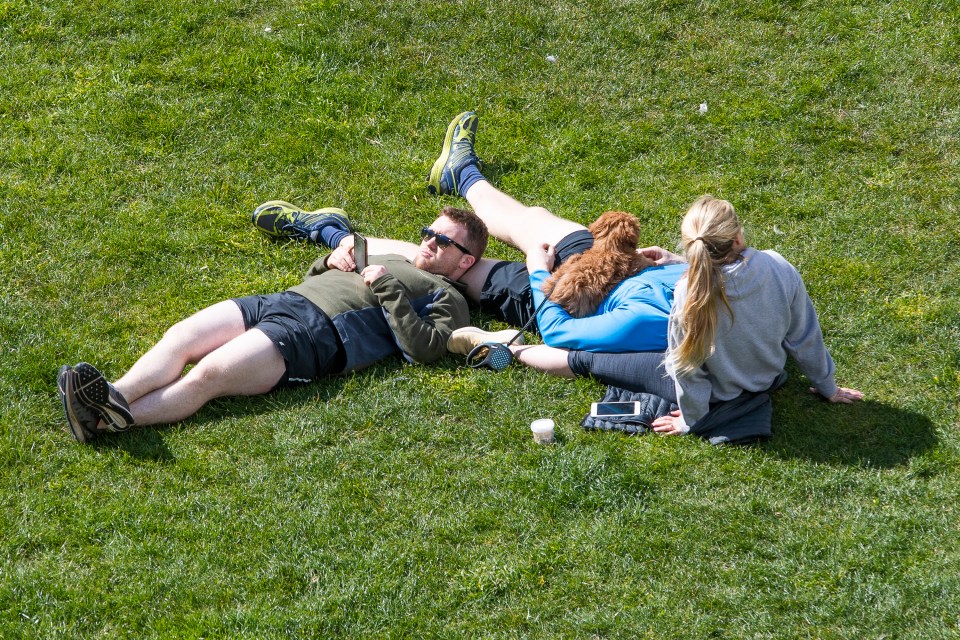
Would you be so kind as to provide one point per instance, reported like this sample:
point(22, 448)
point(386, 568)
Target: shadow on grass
point(142, 444)
point(865, 434)
point(493, 171)
point(147, 443)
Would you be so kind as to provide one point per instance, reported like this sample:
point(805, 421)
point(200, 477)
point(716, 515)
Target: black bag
point(651, 408)
point(744, 420)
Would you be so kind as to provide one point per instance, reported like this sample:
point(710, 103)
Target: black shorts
point(302, 333)
point(506, 293)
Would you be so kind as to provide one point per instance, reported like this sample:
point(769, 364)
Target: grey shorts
point(506, 293)
point(301, 332)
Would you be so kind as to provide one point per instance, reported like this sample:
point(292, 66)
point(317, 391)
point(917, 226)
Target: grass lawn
point(410, 501)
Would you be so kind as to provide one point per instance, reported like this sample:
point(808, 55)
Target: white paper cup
point(542, 430)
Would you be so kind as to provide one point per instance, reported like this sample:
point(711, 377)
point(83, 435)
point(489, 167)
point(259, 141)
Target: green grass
point(409, 501)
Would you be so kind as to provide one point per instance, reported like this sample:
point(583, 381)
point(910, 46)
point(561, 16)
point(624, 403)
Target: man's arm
point(422, 339)
point(342, 257)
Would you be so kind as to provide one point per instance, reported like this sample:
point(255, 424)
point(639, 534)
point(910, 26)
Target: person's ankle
point(469, 176)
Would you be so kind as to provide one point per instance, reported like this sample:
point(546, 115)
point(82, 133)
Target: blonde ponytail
point(709, 232)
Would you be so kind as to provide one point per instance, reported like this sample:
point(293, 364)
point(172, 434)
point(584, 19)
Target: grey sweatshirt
point(773, 317)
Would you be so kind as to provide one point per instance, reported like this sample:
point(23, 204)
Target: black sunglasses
point(442, 241)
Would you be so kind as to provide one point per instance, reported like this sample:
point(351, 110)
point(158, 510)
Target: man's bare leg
point(184, 343)
point(508, 220)
point(247, 365)
point(526, 228)
point(246, 362)
point(457, 172)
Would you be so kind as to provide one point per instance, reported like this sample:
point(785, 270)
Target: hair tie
point(711, 248)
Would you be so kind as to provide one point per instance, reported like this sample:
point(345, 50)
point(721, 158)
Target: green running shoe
point(282, 221)
point(457, 153)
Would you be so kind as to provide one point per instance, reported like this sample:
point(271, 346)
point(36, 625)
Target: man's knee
point(540, 212)
point(181, 335)
point(229, 372)
point(186, 341)
point(206, 379)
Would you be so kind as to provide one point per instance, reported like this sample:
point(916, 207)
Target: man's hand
point(542, 259)
point(660, 256)
point(342, 257)
point(372, 273)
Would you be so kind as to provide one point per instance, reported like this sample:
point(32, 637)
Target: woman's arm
point(544, 358)
point(660, 256)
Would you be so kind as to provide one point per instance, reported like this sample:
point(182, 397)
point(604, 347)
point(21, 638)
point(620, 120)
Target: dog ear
point(599, 227)
point(622, 228)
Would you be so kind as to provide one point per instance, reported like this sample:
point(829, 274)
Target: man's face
point(442, 261)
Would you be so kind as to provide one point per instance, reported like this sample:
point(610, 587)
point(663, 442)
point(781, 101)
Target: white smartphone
point(360, 256)
point(614, 409)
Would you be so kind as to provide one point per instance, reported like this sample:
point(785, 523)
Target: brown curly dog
point(581, 283)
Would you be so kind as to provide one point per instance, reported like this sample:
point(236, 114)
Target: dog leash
point(498, 356)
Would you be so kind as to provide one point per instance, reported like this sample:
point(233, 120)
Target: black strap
point(495, 355)
point(530, 319)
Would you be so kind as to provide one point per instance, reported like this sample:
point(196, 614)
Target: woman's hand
point(843, 395)
point(671, 425)
point(660, 256)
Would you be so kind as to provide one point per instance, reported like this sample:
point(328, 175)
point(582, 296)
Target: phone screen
point(615, 409)
point(360, 251)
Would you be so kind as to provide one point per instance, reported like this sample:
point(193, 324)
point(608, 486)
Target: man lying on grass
point(623, 342)
point(335, 321)
point(631, 317)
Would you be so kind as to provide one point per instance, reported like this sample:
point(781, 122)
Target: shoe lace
point(298, 227)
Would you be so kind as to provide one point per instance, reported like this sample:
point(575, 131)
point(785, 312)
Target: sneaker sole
point(95, 393)
point(436, 171)
point(66, 390)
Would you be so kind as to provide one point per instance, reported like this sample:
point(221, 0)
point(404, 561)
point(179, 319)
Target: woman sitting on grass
point(738, 313)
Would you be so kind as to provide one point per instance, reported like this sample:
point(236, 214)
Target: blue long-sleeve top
point(633, 317)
